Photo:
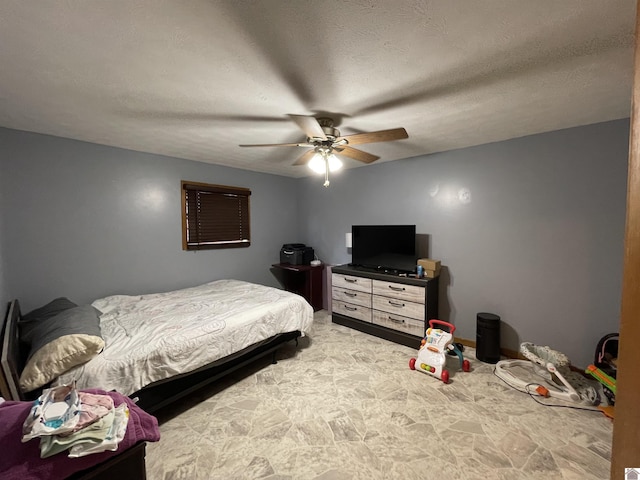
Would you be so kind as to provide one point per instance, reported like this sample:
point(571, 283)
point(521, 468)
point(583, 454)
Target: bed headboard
point(10, 356)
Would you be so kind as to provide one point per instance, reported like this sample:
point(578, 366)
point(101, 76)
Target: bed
point(161, 347)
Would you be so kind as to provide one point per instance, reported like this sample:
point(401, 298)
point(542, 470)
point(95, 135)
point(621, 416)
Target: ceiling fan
point(326, 141)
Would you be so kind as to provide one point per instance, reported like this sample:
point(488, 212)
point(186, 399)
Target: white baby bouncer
point(546, 373)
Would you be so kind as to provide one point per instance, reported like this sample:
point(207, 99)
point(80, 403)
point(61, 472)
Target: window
point(214, 216)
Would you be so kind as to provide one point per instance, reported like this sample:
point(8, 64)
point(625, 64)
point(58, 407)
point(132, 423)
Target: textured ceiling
point(194, 79)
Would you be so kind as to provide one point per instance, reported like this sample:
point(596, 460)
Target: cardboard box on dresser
point(431, 267)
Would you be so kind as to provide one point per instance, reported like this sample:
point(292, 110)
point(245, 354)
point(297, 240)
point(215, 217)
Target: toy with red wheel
point(432, 356)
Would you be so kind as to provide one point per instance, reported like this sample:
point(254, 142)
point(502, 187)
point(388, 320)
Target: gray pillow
point(82, 319)
point(51, 309)
point(31, 320)
point(59, 343)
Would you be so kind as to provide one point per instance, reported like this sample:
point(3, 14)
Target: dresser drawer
point(398, 322)
point(351, 310)
point(350, 282)
point(351, 296)
point(399, 307)
point(411, 293)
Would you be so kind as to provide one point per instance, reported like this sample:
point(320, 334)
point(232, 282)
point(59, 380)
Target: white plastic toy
point(432, 356)
point(546, 373)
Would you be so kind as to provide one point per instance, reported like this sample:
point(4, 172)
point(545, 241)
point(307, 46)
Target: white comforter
point(154, 337)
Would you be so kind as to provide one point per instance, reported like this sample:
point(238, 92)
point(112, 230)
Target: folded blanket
point(21, 461)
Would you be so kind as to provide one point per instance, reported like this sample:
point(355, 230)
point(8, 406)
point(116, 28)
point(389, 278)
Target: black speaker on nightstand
point(488, 337)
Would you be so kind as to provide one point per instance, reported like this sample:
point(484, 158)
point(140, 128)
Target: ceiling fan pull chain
point(326, 171)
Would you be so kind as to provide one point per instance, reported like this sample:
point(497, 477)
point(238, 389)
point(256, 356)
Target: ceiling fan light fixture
point(334, 163)
point(317, 163)
point(325, 140)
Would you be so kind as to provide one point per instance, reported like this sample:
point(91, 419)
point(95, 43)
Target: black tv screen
point(384, 247)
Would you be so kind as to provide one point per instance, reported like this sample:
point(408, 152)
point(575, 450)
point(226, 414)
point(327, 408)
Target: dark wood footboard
point(163, 393)
point(130, 463)
point(150, 398)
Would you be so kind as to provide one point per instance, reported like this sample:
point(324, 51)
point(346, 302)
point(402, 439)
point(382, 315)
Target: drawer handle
point(396, 320)
point(396, 304)
point(350, 280)
point(352, 295)
point(352, 309)
point(397, 289)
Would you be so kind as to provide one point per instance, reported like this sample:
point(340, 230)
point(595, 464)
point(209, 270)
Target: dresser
point(388, 306)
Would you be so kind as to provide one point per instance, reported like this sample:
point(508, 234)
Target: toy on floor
point(432, 358)
point(609, 386)
point(606, 362)
point(546, 372)
point(606, 380)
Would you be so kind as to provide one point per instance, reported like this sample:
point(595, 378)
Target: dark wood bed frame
point(150, 398)
point(129, 464)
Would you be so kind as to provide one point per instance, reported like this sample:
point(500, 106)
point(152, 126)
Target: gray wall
point(86, 221)
point(539, 241)
point(4, 292)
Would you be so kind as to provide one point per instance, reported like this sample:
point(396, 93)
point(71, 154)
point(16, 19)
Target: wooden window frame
point(209, 233)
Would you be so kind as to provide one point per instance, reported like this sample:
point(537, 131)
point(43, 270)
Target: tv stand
point(389, 306)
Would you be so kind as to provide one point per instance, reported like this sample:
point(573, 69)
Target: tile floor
point(345, 405)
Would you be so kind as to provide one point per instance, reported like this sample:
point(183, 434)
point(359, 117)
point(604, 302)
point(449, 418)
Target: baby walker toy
point(432, 357)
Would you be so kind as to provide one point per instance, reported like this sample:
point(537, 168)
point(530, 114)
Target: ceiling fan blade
point(191, 116)
point(278, 145)
point(379, 136)
point(356, 154)
point(309, 126)
point(305, 158)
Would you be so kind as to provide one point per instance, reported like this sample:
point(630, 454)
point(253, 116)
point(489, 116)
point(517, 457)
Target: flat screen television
point(389, 248)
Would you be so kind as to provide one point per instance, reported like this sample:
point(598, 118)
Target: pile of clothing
point(81, 422)
point(21, 460)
